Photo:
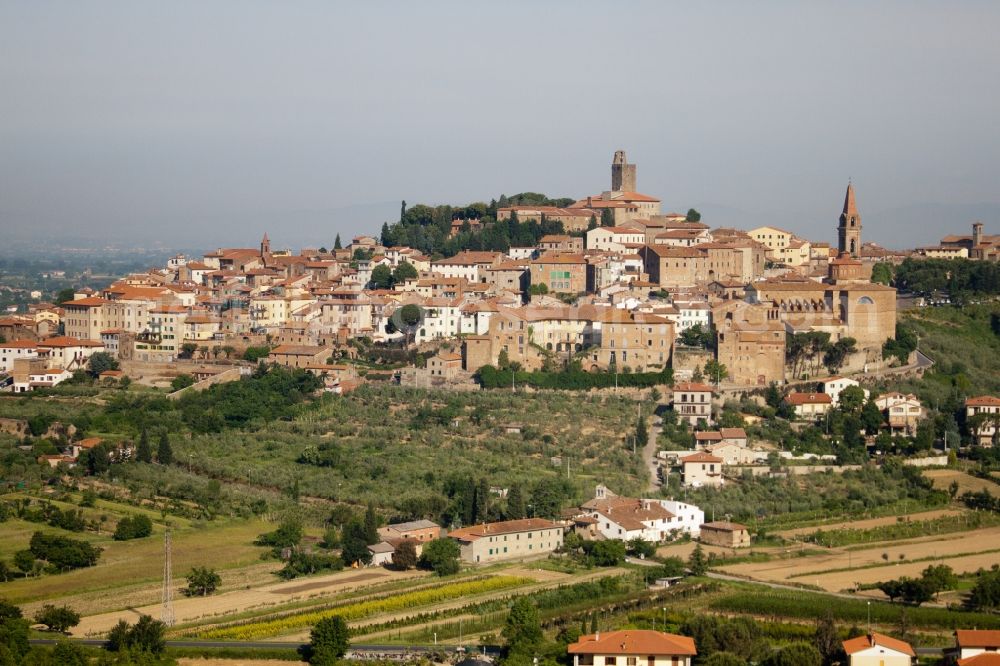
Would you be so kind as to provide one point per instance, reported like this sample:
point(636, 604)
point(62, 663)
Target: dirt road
point(191, 609)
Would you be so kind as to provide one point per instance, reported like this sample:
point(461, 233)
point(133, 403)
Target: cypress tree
point(515, 502)
point(144, 452)
point(482, 500)
point(164, 453)
point(371, 524)
point(336, 243)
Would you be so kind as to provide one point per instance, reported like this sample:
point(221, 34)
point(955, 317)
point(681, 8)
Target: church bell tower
point(849, 230)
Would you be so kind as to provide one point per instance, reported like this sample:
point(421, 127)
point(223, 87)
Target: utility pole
point(167, 613)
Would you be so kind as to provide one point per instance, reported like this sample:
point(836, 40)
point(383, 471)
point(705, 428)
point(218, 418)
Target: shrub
point(134, 527)
point(63, 553)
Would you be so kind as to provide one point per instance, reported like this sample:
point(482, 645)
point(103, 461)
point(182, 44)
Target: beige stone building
point(420, 531)
point(444, 365)
point(572, 219)
point(561, 243)
point(509, 275)
point(299, 356)
point(751, 344)
point(560, 273)
point(809, 406)
point(693, 402)
point(161, 340)
point(679, 267)
point(985, 410)
point(702, 469)
point(84, 317)
point(726, 534)
point(846, 304)
point(641, 342)
point(774, 238)
point(507, 540)
point(903, 412)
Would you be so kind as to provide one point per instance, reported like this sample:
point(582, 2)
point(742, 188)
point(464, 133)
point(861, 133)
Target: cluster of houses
point(646, 647)
point(616, 290)
point(605, 517)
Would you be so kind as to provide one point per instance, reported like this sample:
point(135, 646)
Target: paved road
point(649, 453)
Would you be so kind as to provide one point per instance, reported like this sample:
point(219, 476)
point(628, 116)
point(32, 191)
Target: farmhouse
point(507, 540)
point(609, 516)
point(417, 530)
point(632, 647)
point(726, 534)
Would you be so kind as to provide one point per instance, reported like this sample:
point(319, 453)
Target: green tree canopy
point(440, 556)
point(57, 618)
point(328, 641)
point(101, 362)
point(202, 581)
point(522, 631)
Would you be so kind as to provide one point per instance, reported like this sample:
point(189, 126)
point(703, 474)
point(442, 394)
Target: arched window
point(865, 300)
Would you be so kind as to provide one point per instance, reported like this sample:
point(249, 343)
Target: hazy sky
point(205, 123)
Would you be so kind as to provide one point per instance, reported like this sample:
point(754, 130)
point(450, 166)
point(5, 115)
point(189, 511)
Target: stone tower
point(977, 234)
point(265, 246)
point(849, 231)
point(622, 174)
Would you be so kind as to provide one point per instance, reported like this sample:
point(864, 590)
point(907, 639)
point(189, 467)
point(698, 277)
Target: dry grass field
point(870, 523)
point(963, 552)
point(128, 566)
point(943, 478)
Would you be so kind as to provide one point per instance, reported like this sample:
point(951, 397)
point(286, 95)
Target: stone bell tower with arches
point(849, 230)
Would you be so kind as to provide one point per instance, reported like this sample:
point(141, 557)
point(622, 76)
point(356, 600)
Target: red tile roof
point(474, 532)
point(19, 344)
point(692, 386)
point(875, 639)
point(809, 398)
point(984, 659)
point(982, 638)
point(90, 302)
point(983, 401)
point(634, 642)
point(701, 457)
point(66, 341)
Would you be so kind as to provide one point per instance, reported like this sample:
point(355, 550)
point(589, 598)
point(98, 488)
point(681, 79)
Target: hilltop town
point(609, 283)
point(604, 425)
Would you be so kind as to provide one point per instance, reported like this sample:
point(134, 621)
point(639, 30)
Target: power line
point(167, 613)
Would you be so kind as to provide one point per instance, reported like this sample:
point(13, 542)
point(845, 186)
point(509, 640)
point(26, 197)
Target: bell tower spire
point(849, 229)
